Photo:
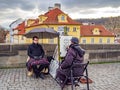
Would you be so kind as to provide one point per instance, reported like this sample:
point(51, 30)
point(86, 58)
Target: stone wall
point(16, 55)
point(102, 52)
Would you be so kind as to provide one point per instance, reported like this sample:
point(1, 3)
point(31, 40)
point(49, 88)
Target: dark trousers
point(37, 70)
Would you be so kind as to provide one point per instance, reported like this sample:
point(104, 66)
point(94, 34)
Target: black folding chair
point(75, 79)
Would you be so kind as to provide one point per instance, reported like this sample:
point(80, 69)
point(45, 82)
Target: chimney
point(50, 8)
point(57, 5)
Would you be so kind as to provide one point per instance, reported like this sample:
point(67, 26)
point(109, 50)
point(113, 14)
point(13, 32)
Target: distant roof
point(20, 28)
point(86, 30)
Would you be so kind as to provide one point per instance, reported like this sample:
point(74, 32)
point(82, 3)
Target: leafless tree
point(113, 23)
point(3, 34)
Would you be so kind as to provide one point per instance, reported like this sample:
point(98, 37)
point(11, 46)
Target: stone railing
point(16, 55)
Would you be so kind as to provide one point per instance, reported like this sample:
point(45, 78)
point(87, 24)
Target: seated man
point(74, 54)
point(36, 62)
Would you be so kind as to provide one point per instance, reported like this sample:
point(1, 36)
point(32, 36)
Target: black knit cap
point(75, 40)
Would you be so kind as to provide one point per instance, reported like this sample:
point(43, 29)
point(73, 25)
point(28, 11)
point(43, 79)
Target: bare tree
point(113, 23)
point(3, 34)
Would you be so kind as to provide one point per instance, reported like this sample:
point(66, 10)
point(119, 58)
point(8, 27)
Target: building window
point(22, 38)
point(52, 27)
point(108, 40)
point(62, 17)
point(84, 41)
point(100, 40)
point(67, 29)
point(74, 29)
point(92, 40)
point(51, 41)
point(61, 30)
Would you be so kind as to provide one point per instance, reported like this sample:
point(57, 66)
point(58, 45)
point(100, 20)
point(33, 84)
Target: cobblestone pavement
point(104, 76)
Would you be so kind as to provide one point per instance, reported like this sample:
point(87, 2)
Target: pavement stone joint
point(104, 76)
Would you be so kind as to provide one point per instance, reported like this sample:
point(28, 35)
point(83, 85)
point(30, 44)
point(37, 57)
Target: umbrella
point(42, 33)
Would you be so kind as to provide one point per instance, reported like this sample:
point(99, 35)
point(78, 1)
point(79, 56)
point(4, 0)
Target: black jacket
point(35, 50)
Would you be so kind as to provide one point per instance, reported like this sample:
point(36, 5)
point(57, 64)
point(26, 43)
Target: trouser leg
point(42, 66)
point(60, 75)
point(35, 70)
point(28, 65)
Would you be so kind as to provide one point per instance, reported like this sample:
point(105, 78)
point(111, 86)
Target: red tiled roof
point(20, 28)
point(86, 30)
point(52, 18)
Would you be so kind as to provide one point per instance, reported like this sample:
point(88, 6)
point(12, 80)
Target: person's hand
point(28, 59)
point(40, 57)
point(36, 57)
point(60, 68)
point(67, 48)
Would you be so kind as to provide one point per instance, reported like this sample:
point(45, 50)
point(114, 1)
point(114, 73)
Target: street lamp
point(13, 25)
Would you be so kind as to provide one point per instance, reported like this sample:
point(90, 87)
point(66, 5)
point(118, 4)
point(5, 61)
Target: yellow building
point(57, 20)
point(96, 34)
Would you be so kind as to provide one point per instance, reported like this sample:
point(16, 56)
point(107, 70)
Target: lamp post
point(11, 40)
point(14, 24)
point(11, 32)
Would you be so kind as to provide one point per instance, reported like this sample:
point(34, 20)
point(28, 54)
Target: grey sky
point(91, 3)
point(11, 10)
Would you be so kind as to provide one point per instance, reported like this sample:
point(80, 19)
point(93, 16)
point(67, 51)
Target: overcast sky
point(11, 10)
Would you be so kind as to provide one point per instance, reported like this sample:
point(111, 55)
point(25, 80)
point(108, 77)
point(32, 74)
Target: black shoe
point(35, 76)
point(41, 76)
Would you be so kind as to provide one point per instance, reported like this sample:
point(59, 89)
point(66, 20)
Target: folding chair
point(73, 79)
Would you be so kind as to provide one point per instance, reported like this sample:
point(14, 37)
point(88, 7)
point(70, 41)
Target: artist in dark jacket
point(74, 54)
point(36, 54)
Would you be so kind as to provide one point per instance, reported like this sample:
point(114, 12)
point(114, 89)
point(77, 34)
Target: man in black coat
point(36, 61)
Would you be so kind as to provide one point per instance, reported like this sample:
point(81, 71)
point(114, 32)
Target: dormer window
point(42, 18)
point(62, 17)
point(96, 31)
